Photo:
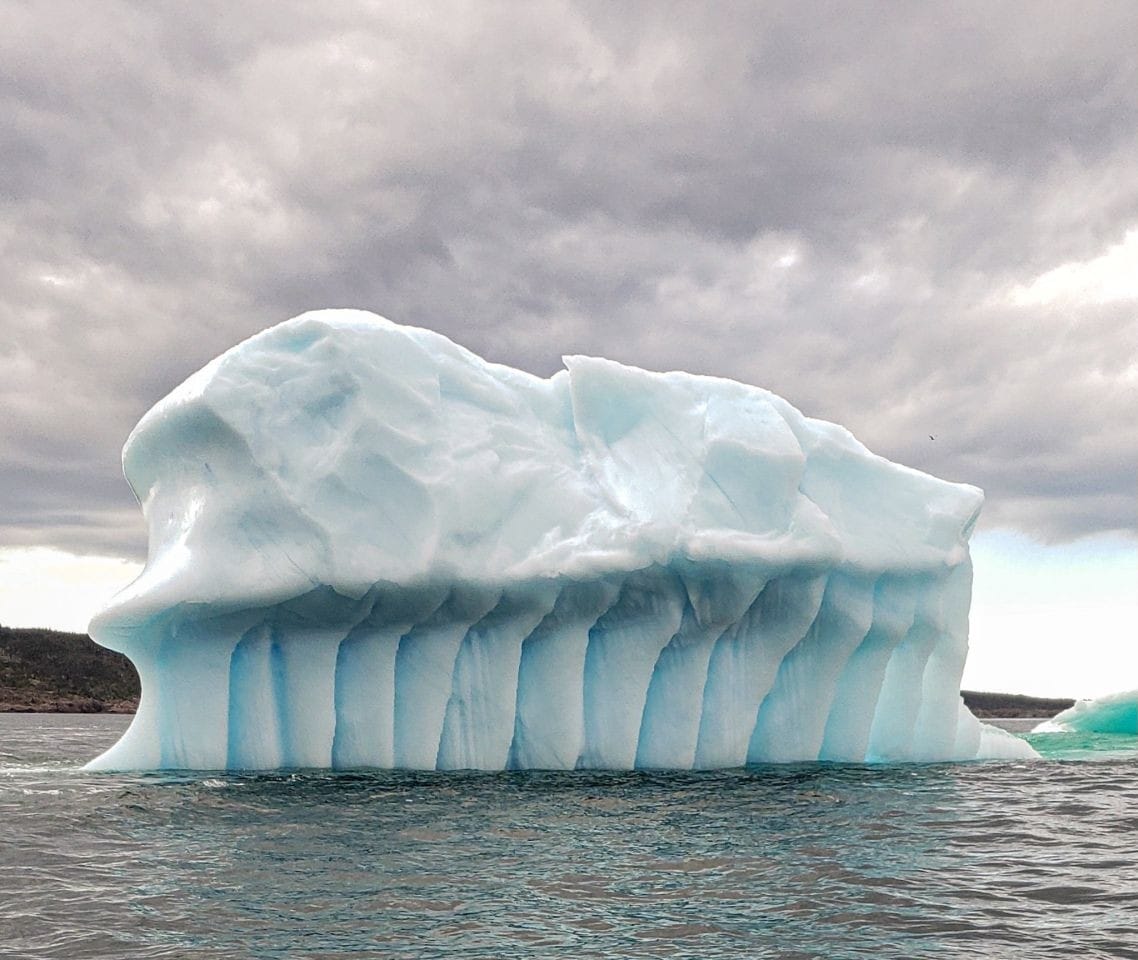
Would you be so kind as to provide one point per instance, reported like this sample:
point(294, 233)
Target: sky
point(917, 220)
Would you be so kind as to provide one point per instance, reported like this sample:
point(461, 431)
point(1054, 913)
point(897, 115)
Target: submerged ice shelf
point(370, 547)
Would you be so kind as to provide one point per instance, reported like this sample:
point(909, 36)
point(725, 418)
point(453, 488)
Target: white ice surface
point(370, 547)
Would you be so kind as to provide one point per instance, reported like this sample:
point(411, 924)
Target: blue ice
point(370, 547)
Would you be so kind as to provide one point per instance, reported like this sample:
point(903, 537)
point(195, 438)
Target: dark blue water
point(1025, 860)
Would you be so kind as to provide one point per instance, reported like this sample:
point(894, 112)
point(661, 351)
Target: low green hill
point(52, 671)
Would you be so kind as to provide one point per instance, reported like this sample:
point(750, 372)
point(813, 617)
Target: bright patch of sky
point(1053, 620)
point(43, 587)
point(1107, 278)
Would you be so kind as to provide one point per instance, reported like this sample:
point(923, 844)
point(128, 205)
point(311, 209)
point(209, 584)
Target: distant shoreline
point(71, 705)
point(1013, 706)
point(49, 671)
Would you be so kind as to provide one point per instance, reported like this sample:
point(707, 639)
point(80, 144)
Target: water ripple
point(1032, 859)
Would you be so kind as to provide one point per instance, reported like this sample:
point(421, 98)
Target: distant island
point(49, 671)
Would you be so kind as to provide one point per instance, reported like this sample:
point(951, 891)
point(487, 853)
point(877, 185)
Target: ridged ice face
point(370, 547)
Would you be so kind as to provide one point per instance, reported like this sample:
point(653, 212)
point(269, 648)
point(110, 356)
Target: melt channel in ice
point(370, 547)
point(1114, 713)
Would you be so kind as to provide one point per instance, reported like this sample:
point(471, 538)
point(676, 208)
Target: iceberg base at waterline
point(370, 547)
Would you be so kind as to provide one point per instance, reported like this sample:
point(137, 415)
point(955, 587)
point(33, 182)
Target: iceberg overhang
point(370, 547)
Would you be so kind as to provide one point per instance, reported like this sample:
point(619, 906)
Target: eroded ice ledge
point(369, 547)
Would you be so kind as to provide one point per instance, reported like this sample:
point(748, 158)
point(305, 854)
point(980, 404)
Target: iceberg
point(370, 547)
point(1114, 713)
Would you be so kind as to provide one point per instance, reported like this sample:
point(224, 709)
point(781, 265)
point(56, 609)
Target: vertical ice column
point(193, 694)
point(365, 676)
point(891, 736)
point(549, 727)
point(792, 719)
point(479, 723)
point(669, 731)
point(282, 680)
point(307, 685)
point(670, 724)
point(859, 687)
point(254, 714)
point(424, 674)
point(935, 735)
point(623, 648)
point(745, 662)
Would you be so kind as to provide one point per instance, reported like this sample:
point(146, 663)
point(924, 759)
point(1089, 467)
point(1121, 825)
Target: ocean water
point(1019, 860)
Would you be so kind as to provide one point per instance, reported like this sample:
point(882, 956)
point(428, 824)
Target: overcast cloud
point(857, 206)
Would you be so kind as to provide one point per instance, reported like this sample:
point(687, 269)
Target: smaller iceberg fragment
point(1114, 713)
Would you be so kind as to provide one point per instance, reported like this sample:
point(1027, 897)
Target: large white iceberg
point(370, 547)
point(1114, 713)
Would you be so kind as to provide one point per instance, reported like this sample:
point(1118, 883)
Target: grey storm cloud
point(838, 202)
